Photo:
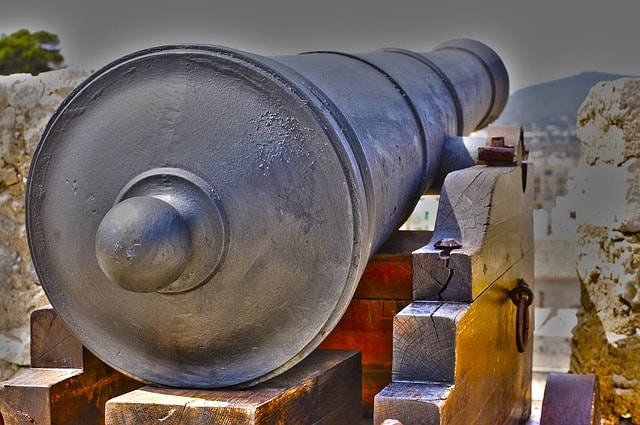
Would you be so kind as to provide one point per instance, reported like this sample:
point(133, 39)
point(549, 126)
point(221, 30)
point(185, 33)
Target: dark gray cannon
point(200, 216)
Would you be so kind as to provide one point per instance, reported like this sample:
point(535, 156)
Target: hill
point(551, 102)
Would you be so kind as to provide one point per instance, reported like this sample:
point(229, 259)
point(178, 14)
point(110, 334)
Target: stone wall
point(606, 340)
point(26, 104)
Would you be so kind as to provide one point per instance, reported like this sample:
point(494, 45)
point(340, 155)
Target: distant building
point(563, 217)
point(541, 224)
point(556, 298)
point(550, 177)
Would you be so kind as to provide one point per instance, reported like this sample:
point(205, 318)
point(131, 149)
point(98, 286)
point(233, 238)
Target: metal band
point(491, 79)
point(452, 90)
point(393, 81)
point(407, 98)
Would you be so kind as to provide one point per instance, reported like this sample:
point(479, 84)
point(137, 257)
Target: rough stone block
point(608, 266)
point(26, 104)
point(606, 199)
point(609, 122)
point(607, 195)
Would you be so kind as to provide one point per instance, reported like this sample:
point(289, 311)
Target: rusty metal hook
point(522, 297)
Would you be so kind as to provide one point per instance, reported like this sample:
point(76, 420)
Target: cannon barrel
point(200, 216)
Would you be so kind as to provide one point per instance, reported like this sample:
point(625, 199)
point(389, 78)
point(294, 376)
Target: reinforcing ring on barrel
point(522, 297)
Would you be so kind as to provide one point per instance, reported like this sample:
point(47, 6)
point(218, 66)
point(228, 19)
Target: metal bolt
point(445, 246)
point(448, 244)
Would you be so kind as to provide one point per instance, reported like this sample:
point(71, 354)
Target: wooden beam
point(489, 211)
point(324, 389)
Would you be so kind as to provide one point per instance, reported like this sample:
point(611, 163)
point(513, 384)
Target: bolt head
point(448, 244)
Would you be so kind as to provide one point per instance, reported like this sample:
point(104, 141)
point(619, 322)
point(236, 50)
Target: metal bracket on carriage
point(504, 146)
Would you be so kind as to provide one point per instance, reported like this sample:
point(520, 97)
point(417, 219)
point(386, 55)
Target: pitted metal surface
point(200, 216)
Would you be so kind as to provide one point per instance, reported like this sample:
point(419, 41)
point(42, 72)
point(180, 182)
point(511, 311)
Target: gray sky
point(539, 40)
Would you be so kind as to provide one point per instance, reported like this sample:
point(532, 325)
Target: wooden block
point(461, 329)
point(322, 389)
point(388, 273)
point(412, 403)
point(70, 385)
point(29, 398)
point(424, 341)
point(52, 345)
point(62, 396)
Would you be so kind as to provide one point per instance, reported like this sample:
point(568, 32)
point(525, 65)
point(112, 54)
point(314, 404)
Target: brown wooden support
point(367, 325)
point(66, 384)
point(463, 360)
point(324, 389)
point(52, 345)
point(455, 354)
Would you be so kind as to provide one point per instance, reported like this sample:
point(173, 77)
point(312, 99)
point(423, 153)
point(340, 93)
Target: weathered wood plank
point(323, 389)
point(493, 379)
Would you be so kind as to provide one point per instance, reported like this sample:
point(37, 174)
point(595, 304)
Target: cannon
point(199, 216)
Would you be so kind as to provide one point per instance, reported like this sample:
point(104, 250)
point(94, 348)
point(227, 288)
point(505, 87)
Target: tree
point(30, 53)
